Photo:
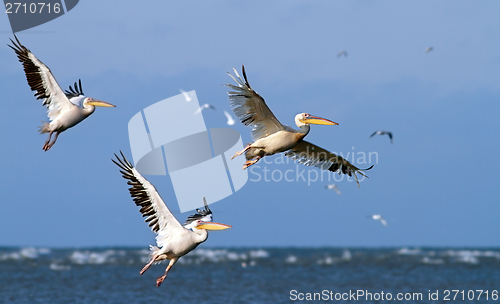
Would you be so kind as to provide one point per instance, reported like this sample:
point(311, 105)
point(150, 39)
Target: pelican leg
point(48, 145)
point(146, 267)
point(248, 163)
point(242, 151)
point(162, 278)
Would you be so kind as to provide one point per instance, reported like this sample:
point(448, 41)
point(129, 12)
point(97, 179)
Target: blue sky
point(436, 185)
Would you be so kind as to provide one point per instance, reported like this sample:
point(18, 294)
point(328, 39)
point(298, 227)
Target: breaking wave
point(66, 259)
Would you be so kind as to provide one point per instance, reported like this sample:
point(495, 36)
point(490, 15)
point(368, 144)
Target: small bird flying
point(173, 240)
point(380, 132)
point(230, 120)
point(342, 53)
point(429, 49)
point(203, 107)
point(186, 95)
point(334, 188)
point(379, 217)
point(65, 109)
point(271, 137)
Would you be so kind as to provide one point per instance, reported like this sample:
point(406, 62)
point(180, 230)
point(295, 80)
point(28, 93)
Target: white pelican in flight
point(203, 107)
point(271, 137)
point(173, 239)
point(380, 132)
point(65, 109)
point(379, 217)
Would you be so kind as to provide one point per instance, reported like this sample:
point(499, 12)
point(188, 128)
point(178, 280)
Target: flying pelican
point(65, 109)
point(186, 95)
point(271, 137)
point(379, 217)
point(380, 132)
point(173, 239)
point(203, 107)
point(230, 120)
point(342, 53)
point(334, 188)
point(429, 49)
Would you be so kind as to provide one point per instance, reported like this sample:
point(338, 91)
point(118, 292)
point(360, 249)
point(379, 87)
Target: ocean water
point(252, 275)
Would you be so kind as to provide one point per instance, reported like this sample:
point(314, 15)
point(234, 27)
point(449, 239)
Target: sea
point(252, 275)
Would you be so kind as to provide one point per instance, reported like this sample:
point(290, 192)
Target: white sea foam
point(220, 255)
point(291, 259)
point(408, 251)
point(327, 260)
point(24, 253)
point(59, 267)
point(428, 260)
point(94, 257)
point(346, 255)
point(29, 253)
point(258, 254)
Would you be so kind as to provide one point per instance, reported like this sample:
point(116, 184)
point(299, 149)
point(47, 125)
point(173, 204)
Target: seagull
point(379, 217)
point(203, 107)
point(342, 53)
point(186, 95)
point(333, 187)
point(429, 49)
point(173, 239)
point(230, 120)
point(65, 109)
point(380, 132)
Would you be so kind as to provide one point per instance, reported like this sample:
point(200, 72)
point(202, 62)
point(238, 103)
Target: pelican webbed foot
point(160, 280)
point(250, 162)
point(48, 144)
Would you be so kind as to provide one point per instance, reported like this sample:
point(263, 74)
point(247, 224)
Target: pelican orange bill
point(318, 121)
point(213, 226)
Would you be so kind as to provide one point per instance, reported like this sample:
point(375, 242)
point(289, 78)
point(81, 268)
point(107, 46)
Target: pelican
point(271, 137)
point(203, 107)
point(65, 109)
point(379, 217)
point(380, 132)
point(334, 188)
point(230, 120)
point(173, 239)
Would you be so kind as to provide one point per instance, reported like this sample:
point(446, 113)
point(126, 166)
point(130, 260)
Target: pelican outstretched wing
point(309, 154)
point(41, 80)
point(160, 219)
point(251, 109)
point(75, 91)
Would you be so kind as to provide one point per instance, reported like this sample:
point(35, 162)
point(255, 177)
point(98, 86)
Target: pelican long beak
point(213, 226)
point(318, 121)
point(100, 103)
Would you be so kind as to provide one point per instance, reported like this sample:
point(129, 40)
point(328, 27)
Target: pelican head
point(94, 102)
point(305, 118)
point(211, 225)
